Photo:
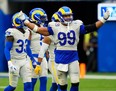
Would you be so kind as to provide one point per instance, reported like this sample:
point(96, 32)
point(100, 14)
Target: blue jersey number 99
point(69, 37)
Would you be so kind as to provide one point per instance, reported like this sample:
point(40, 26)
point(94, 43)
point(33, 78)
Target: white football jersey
point(36, 42)
point(66, 37)
point(18, 50)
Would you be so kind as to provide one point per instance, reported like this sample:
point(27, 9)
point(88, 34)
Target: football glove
point(105, 16)
point(22, 17)
point(38, 69)
point(12, 68)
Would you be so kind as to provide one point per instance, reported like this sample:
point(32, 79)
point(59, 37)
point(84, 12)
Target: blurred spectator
point(90, 46)
point(82, 57)
point(110, 1)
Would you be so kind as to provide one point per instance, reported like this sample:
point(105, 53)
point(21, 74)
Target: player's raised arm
point(98, 24)
point(104, 19)
point(41, 30)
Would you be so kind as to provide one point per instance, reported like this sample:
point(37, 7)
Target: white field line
point(97, 90)
point(2, 87)
point(86, 76)
point(100, 77)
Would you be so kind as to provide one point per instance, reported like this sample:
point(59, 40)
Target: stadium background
point(85, 10)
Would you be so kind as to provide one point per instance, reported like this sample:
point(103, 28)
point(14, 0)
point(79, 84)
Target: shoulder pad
point(9, 32)
point(79, 21)
point(54, 24)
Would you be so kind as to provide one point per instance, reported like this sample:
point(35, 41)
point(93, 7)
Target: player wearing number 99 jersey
point(16, 50)
point(66, 35)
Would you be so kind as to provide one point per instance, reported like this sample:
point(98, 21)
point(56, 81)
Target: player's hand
point(34, 63)
point(12, 68)
point(23, 17)
point(106, 14)
point(37, 69)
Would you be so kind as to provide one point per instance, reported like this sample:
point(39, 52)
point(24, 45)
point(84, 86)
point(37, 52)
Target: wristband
point(103, 20)
point(26, 21)
point(35, 28)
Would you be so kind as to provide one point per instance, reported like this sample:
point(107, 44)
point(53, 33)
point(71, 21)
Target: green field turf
point(85, 84)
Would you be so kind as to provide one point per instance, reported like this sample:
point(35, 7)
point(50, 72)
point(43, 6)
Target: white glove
point(22, 16)
point(105, 16)
point(12, 68)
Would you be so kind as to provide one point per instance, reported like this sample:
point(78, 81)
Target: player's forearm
point(29, 24)
point(7, 54)
point(93, 27)
point(7, 49)
point(99, 24)
point(43, 49)
point(28, 50)
point(35, 28)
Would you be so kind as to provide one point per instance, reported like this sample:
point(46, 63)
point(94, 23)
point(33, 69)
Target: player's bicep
point(9, 34)
point(10, 38)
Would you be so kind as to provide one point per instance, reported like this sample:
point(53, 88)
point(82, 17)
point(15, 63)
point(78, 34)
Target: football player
point(39, 17)
point(49, 43)
point(16, 50)
point(66, 35)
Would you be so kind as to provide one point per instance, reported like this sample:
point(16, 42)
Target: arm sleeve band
point(35, 28)
point(50, 31)
point(43, 49)
point(90, 28)
point(8, 47)
point(28, 50)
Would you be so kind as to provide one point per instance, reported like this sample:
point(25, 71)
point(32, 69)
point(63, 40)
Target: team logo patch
point(8, 33)
point(57, 24)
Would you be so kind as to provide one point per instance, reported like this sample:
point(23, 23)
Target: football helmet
point(38, 15)
point(55, 17)
point(65, 15)
point(16, 22)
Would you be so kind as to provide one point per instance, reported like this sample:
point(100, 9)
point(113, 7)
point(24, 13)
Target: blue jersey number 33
point(21, 48)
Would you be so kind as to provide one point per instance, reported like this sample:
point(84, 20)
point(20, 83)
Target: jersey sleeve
point(9, 32)
point(50, 28)
point(82, 27)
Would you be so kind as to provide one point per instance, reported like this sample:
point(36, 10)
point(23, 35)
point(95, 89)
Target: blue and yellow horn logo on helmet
point(38, 15)
point(16, 22)
point(55, 17)
point(65, 11)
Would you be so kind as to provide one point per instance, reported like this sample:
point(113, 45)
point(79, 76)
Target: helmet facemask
point(65, 15)
point(68, 19)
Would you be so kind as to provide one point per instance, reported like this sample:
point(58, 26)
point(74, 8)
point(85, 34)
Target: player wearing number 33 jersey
point(19, 44)
point(16, 51)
